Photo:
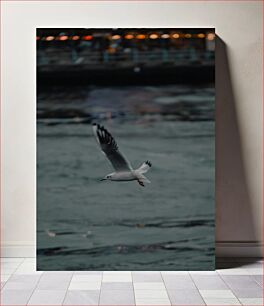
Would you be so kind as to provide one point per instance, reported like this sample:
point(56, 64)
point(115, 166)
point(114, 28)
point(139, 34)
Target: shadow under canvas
point(234, 210)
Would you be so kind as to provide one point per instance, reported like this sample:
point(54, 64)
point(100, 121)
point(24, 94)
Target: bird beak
point(103, 179)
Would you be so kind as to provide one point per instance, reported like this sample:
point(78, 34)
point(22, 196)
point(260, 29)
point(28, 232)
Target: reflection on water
point(85, 224)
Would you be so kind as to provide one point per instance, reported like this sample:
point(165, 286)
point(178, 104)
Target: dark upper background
point(125, 56)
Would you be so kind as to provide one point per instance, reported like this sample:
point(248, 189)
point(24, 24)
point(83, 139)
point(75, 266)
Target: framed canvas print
point(125, 149)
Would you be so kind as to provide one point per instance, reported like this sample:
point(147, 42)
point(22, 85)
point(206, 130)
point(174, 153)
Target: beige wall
point(239, 106)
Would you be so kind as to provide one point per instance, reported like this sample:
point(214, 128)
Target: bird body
point(124, 171)
point(126, 176)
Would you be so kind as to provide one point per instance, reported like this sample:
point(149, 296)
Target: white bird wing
point(110, 149)
point(144, 167)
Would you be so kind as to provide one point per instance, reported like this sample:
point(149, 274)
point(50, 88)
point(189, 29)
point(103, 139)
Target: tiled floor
point(239, 282)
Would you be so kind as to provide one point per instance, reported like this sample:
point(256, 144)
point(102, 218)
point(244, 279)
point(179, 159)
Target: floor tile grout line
point(134, 293)
point(4, 285)
point(196, 287)
point(166, 288)
point(24, 260)
point(217, 273)
point(17, 267)
point(252, 276)
point(67, 289)
point(13, 272)
point(147, 289)
point(231, 288)
point(35, 287)
point(100, 291)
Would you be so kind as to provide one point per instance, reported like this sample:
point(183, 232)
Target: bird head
point(107, 177)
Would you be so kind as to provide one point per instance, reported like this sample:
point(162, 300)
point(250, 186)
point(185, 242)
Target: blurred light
point(187, 35)
point(111, 50)
point(75, 37)
point(165, 36)
point(49, 38)
point(210, 36)
point(137, 69)
point(114, 45)
point(176, 35)
point(129, 36)
point(87, 37)
point(63, 37)
point(115, 37)
point(38, 38)
point(153, 36)
point(141, 36)
point(201, 35)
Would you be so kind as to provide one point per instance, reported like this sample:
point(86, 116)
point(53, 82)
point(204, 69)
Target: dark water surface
point(85, 224)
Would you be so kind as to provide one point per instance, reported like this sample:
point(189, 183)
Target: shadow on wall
point(234, 215)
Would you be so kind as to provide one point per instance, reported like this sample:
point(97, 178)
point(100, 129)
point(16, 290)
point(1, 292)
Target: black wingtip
point(148, 163)
point(97, 125)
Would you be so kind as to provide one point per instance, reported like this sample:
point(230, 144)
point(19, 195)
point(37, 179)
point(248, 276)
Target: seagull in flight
point(123, 169)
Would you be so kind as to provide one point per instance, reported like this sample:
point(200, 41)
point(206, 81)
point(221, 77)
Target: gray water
point(85, 224)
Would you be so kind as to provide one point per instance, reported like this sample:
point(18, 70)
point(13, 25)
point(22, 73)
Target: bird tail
point(143, 169)
point(144, 179)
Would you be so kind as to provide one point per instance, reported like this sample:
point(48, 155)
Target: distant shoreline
point(129, 75)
